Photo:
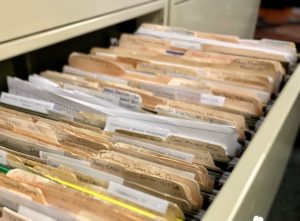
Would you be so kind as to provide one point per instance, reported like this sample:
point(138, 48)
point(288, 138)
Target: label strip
point(139, 198)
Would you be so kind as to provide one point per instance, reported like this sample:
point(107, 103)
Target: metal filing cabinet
point(253, 184)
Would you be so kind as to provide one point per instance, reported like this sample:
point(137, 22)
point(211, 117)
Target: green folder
point(4, 169)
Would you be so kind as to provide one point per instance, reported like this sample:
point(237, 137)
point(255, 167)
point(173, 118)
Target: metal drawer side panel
point(252, 186)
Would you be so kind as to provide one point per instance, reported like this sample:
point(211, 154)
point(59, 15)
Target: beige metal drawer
point(21, 18)
point(32, 24)
point(237, 17)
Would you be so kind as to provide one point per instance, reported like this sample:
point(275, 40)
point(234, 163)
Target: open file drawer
point(253, 184)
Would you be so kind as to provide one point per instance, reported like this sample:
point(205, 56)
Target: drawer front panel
point(21, 18)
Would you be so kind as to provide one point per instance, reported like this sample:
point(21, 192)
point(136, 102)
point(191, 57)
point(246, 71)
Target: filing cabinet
point(251, 188)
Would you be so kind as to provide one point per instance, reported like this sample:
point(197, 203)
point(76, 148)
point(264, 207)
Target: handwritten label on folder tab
point(185, 44)
point(3, 157)
point(33, 214)
point(139, 198)
point(115, 123)
point(27, 103)
point(125, 99)
point(80, 166)
point(158, 149)
point(212, 100)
